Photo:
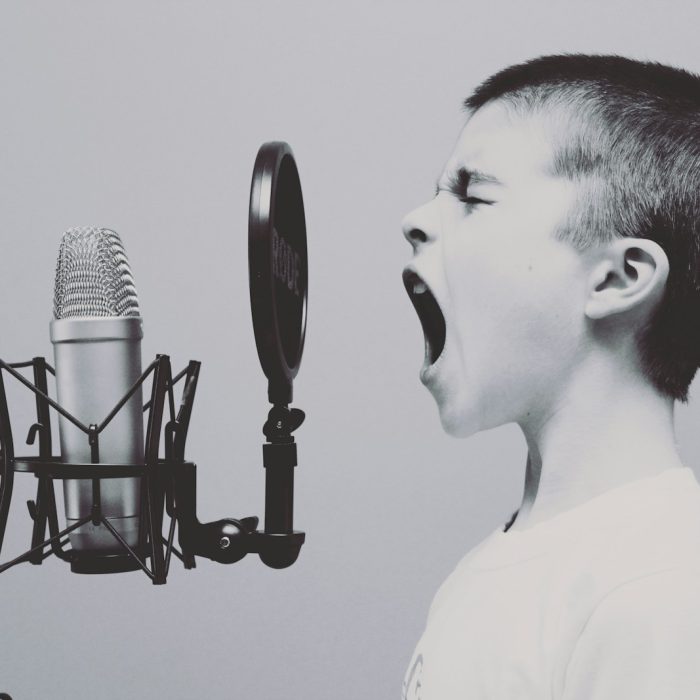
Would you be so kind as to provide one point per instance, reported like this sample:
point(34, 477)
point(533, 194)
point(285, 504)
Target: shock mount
point(168, 483)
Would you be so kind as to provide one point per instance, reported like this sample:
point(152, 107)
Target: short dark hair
point(632, 144)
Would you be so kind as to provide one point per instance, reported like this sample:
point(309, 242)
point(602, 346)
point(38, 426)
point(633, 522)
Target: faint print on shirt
point(412, 684)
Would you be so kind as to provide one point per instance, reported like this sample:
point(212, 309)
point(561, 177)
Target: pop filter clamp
point(278, 293)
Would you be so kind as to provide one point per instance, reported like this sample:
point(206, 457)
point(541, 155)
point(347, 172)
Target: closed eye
point(458, 184)
point(473, 201)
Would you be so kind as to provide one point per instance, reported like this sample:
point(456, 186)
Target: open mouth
point(429, 313)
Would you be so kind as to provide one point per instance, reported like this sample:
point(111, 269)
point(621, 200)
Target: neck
point(604, 431)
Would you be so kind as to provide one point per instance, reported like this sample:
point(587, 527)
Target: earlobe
point(629, 273)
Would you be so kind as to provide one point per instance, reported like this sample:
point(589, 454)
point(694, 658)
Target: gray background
point(146, 117)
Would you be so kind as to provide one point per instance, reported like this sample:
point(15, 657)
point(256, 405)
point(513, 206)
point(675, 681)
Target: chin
point(459, 421)
point(462, 416)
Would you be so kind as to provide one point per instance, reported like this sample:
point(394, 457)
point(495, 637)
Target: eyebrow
point(458, 181)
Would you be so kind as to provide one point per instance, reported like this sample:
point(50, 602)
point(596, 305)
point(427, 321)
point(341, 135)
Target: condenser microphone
point(96, 332)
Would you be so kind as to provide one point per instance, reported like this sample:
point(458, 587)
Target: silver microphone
point(96, 332)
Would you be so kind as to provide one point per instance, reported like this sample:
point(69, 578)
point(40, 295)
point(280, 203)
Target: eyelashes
point(472, 201)
point(458, 186)
point(458, 183)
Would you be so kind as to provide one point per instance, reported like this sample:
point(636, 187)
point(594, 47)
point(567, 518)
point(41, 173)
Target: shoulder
point(658, 599)
point(657, 529)
point(641, 640)
point(452, 587)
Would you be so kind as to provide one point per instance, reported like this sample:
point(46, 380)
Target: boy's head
point(565, 231)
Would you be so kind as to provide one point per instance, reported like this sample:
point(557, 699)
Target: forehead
point(503, 143)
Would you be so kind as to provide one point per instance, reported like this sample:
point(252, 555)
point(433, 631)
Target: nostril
point(415, 235)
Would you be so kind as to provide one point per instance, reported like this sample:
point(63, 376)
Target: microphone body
point(96, 332)
point(97, 361)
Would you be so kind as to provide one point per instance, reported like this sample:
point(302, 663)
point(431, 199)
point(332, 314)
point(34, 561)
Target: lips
point(431, 317)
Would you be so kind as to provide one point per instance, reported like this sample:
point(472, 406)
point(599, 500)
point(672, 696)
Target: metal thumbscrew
point(224, 542)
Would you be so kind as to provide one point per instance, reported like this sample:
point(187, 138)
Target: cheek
point(486, 276)
point(512, 296)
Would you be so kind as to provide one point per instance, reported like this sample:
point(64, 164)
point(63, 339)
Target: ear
point(628, 273)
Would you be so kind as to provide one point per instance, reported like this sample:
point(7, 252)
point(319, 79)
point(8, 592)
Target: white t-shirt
point(601, 602)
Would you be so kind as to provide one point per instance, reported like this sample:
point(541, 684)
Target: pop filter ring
point(278, 266)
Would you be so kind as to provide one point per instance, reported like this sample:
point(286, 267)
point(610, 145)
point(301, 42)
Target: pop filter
point(278, 267)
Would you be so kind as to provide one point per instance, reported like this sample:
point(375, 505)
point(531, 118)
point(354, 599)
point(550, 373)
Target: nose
point(420, 227)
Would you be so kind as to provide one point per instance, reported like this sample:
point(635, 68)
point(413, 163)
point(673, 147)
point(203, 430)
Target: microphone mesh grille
point(93, 277)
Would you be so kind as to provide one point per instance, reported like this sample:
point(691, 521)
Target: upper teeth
point(419, 287)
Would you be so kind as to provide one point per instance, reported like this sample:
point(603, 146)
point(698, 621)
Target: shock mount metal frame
point(168, 484)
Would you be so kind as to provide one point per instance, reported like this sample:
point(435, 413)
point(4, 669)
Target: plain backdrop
point(145, 117)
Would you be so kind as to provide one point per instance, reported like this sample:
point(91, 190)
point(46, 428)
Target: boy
point(556, 274)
